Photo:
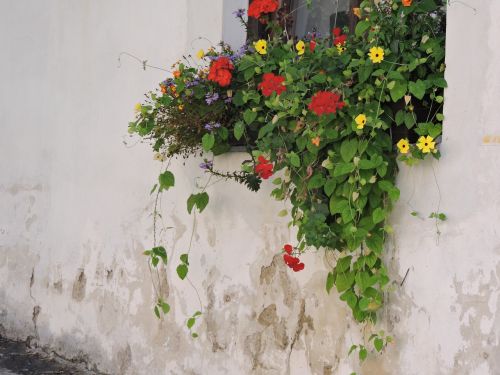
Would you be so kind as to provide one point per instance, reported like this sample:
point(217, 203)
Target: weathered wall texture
point(75, 213)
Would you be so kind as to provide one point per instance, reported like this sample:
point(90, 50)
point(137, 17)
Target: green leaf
point(378, 343)
point(166, 180)
point(363, 354)
point(294, 159)
point(330, 186)
point(316, 181)
point(378, 215)
point(364, 72)
point(249, 116)
point(208, 141)
point(344, 281)
point(330, 280)
point(155, 261)
point(239, 129)
point(361, 27)
point(182, 271)
point(398, 91)
point(417, 89)
point(343, 264)
point(343, 168)
point(199, 200)
point(348, 149)
point(165, 307)
point(337, 205)
point(190, 322)
point(157, 312)
point(375, 242)
point(353, 348)
point(185, 259)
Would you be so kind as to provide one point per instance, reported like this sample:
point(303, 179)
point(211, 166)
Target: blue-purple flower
point(211, 98)
point(207, 165)
point(239, 13)
point(212, 125)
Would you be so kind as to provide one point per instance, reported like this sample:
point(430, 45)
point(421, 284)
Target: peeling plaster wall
point(75, 213)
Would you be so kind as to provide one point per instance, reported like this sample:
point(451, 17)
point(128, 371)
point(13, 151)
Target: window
point(322, 17)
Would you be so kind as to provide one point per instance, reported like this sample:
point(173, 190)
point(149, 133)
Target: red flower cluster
point(272, 83)
point(325, 102)
point(338, 37)
point(293, 262)
point(220, 71)
point(264, 168)
point(259, 7)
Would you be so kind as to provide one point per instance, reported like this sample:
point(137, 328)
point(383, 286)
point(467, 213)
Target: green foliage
point(183, 268)
point(338, 174)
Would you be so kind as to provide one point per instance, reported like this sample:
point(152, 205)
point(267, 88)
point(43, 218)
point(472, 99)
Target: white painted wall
point(75, 213)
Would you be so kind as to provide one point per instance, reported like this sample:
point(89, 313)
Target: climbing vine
point(332, 114)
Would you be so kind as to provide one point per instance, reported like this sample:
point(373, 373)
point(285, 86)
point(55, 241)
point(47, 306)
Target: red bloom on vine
point(264, 168)
point(221, 71)
point(259, 7)
point(288, 249)
point(325, 102)
point(272, 83)
point(338, 39)
point(293, 262)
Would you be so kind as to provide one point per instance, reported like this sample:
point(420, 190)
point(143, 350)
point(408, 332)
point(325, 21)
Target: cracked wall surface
point(75, 214)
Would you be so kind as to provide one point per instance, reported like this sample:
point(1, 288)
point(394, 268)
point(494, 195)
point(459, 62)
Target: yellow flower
point(360, 121)
point(376, 55)
point(340, 49)
point(315, 141)
point(403, 145)
point(426, 144)
point(261, 46)
point(357, 12)
point(301, 47)
point(200, 54)
point(181, 107)
point(158, 156)
point(137, 107)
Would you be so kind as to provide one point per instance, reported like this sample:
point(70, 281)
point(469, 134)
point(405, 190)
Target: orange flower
point(315, 141)
point(407, 3)
point(177, 73)
point(163, 89)
point(357, 12)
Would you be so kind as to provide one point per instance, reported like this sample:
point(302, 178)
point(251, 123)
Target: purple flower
point(207, 165)
point(228, 100)
point(211, 98)
point(194, 82)
point(239, 13)
point(211, 126)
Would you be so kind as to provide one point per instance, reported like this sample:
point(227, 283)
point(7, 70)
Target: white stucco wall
point(75, 213)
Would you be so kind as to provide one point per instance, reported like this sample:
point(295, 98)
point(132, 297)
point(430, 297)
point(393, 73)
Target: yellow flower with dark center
point(360, 121)
point(137, 107)
point(340, 49)
point(403, 145)
point(200, 54)
point(376, 55)
point(301, 47)
point(158, 156)
point(261, 46)
point(426, 144)
point(315, 141)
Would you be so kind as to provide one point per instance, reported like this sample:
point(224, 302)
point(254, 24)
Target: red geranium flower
point(272, 83)
point(339, 38)
point(312, 45)
point(220, 71)
point(293, 262)
point(259, 7)
point(264, 168)
point(325, 102)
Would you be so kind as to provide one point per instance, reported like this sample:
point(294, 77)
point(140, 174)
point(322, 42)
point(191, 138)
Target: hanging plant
point(332, 114)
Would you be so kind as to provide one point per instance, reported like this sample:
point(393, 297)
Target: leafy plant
point(333, 114)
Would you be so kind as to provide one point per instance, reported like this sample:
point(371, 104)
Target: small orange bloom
point(163, 89)
point(315, 141)
point(357, 12)
point(177, 73)
point(407, 3)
